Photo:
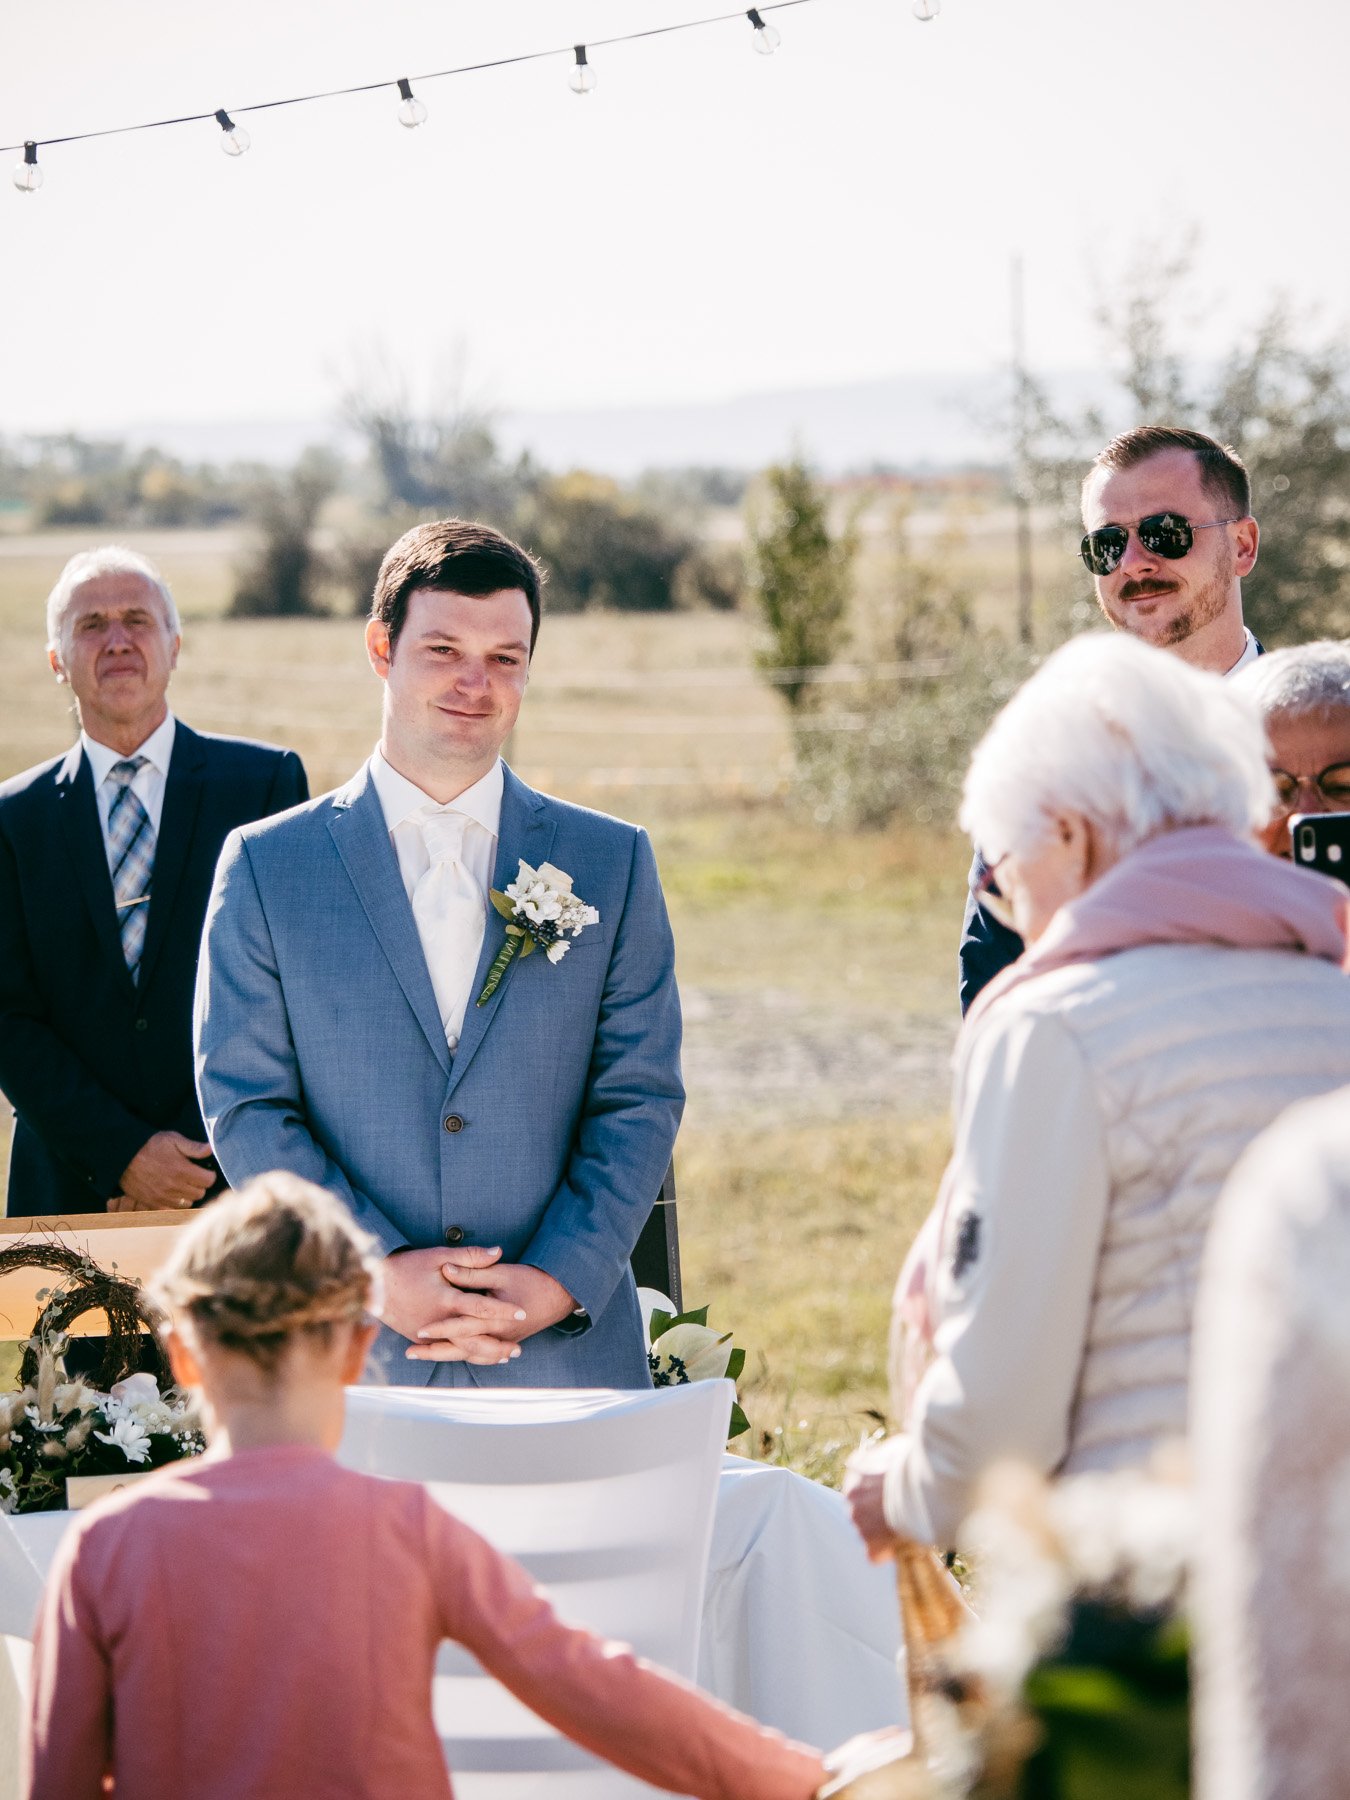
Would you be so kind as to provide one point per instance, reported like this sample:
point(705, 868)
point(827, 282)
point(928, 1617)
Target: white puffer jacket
point(1099, 1109)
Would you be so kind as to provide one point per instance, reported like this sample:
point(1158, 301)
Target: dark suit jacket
point(987, 945)
point(93, 1064)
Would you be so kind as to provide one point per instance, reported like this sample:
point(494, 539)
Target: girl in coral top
point(261, 1622)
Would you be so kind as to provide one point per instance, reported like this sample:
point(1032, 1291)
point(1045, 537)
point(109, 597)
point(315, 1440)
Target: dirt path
point(771, 1055)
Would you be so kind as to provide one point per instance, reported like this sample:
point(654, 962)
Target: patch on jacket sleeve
point(966, 1242)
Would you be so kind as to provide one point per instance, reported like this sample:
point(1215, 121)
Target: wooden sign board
point(136, 1243)
point(83, 1490)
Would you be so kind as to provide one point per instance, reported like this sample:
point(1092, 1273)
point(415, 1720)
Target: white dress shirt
point(147, 784)
point(1249, 653)
point(405, 805)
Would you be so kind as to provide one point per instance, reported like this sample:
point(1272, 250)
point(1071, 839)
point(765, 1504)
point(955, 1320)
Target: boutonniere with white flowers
point(541, 910)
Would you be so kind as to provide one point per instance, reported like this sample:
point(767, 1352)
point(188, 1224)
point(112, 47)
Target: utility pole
point(1021, 475)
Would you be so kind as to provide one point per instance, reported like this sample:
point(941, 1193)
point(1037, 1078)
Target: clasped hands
point(169, 1170)
point(467, 1305)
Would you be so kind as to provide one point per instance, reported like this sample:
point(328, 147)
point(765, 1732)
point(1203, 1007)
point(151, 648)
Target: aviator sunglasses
point(1164, 534)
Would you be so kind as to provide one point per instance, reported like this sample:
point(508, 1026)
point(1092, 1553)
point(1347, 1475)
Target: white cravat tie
point(451, 917)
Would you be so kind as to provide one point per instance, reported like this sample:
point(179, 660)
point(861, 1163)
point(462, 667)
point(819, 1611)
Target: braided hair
point(279, 1257)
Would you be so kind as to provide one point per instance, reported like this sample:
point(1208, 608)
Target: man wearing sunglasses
point(1169, 537)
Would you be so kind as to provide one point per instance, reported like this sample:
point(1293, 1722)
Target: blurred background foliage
point(883, 627)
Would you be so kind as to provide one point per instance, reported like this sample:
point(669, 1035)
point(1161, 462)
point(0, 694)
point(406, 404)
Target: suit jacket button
point(454, 1234)
point(142, 1024)
point(454, 1123)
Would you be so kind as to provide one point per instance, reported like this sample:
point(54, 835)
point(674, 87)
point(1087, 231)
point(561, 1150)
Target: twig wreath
point(85, 1287)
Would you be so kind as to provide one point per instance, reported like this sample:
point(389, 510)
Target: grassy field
point(818, 970)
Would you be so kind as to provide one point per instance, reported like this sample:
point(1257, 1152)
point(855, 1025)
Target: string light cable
point(411, 111)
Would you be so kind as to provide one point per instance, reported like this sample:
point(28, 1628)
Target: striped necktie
point(131, 856)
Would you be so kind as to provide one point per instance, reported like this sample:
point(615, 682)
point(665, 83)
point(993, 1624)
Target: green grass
point(794, 1235)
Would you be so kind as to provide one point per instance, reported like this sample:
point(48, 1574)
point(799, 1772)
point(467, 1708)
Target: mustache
point(1141, 590)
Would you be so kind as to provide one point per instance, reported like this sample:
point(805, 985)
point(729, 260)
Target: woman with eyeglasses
point(1179, 990)
point(1304, 698)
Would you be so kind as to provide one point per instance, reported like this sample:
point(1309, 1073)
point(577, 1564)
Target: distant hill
point(920, 423)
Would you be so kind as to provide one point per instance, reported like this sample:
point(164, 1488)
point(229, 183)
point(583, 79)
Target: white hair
point(1309, 678)
point(88, 565)
point(1132, 738)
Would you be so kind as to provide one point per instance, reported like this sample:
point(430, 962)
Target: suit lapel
point(361, 838)
point(173, 844)
point(78, 811)
point(526, 835)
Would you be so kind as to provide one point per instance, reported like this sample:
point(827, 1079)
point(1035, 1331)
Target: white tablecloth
point(799, 1629)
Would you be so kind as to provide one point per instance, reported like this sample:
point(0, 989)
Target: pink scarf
point(1197, 884)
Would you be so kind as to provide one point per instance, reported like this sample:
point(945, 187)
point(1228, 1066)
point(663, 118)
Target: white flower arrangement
point(129, 1436)
point(540, 910)
point(684, 1347)
point(57, 1428)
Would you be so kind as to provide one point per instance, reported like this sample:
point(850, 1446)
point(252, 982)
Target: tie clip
point(140, 900)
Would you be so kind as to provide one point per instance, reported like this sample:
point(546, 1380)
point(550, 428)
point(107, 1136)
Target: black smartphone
point(1322, 841)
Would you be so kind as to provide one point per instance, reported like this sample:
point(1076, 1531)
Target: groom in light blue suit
point(504, 1147)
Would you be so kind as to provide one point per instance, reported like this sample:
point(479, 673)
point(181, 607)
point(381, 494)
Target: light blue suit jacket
point(320, 1050)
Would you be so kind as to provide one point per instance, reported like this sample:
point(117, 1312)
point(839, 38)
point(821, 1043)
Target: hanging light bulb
point(582, 78)
point(27, 174)
point(411, 112)
point(767, 39)
point(927, 9)
point(235, 141)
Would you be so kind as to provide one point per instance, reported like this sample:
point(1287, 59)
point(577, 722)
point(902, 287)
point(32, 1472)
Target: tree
point(902, 744)
point(602, 546)
point(445, 461)
point(283, 579)
point(1286, 410)
point(77, 481)
point(799, 573)
point(902, 749)
point(931, 606)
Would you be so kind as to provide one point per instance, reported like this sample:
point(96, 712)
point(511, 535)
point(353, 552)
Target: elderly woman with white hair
point(1303, 695)
point(1179, 990)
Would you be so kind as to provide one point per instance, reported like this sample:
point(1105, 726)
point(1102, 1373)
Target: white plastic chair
point(606, 1498)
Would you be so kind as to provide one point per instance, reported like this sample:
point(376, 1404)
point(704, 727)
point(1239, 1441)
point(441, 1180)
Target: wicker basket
point(931, 1613)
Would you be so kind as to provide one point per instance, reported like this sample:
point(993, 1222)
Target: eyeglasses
point(1162, 534)
point(1333, 784)
point(997, 905)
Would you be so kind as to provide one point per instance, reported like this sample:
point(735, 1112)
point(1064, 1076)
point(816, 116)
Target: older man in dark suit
point(106, 859)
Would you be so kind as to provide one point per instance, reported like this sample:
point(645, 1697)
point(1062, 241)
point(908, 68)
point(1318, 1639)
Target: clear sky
point(708, 222)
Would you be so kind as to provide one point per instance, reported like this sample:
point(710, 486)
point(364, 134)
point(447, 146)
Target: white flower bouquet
point(684, 1347)
point(56, 1428)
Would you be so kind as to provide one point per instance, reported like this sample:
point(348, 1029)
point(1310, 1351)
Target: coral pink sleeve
point(600, 1694)
point(70, 1719)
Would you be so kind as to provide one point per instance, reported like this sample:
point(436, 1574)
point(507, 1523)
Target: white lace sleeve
point(1271, 1442)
